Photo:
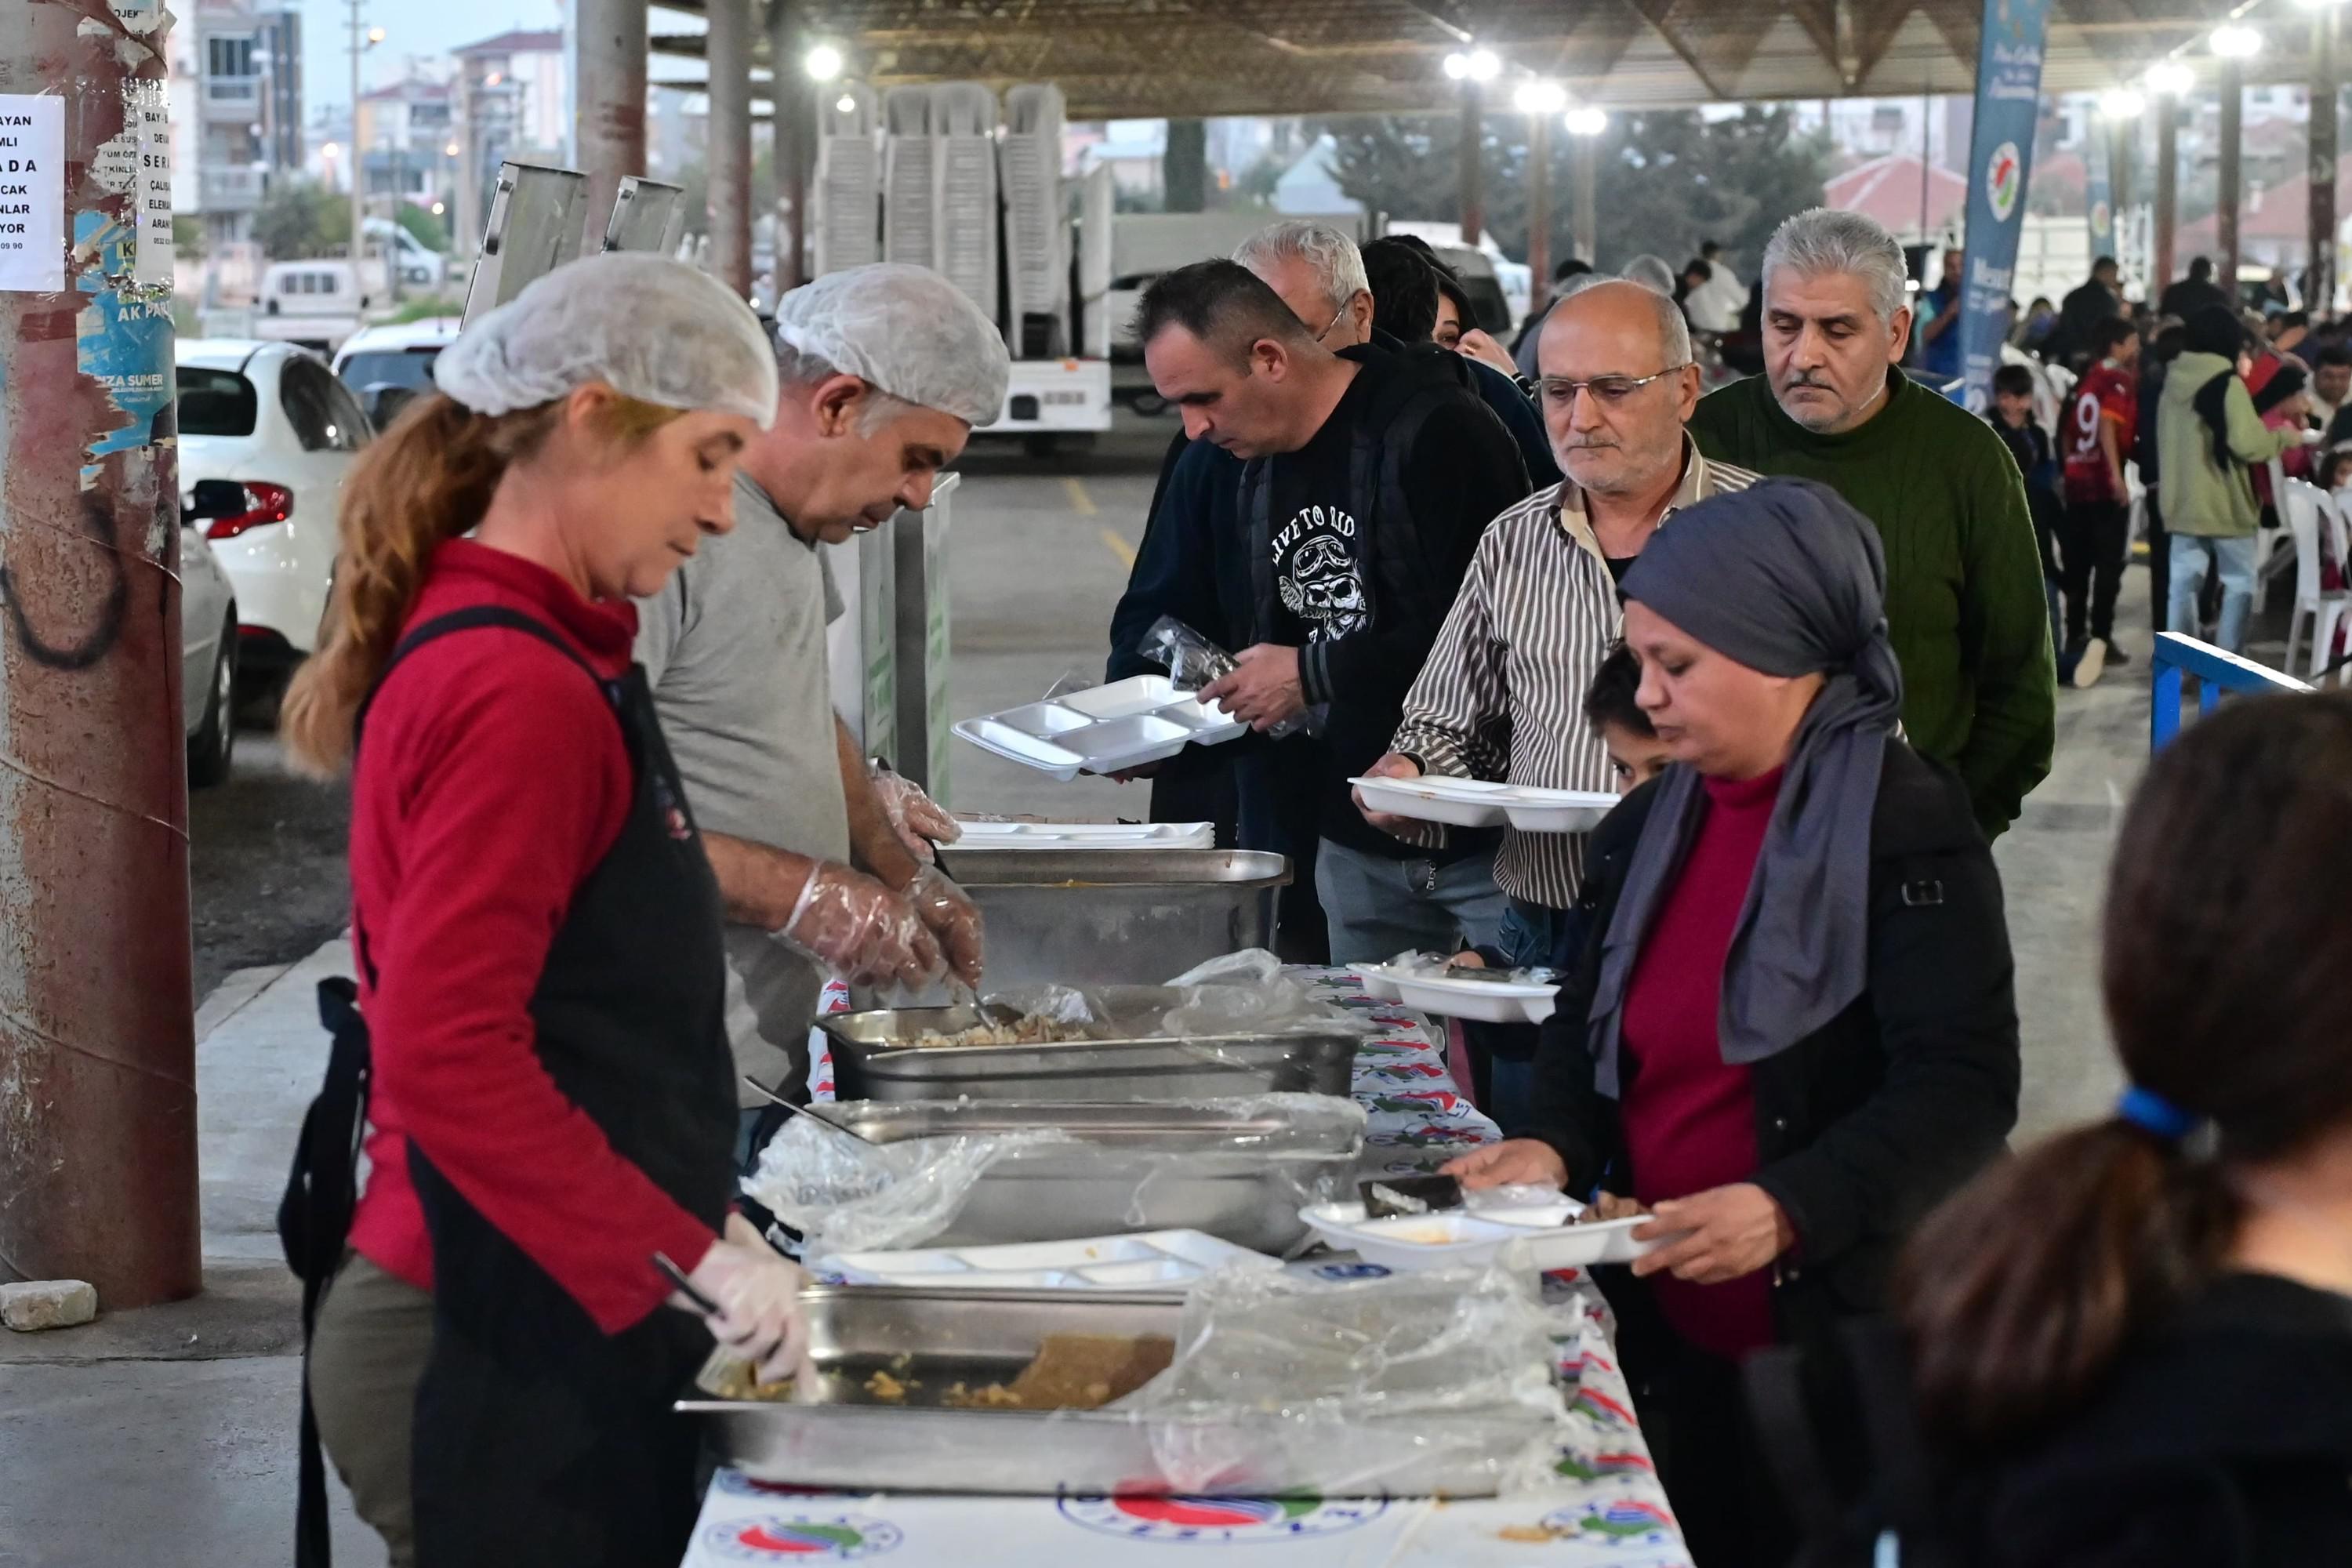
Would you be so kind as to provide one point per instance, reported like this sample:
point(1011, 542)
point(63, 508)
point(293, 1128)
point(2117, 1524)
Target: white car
point(207, 657)
point(272, 419)
point(385, 366)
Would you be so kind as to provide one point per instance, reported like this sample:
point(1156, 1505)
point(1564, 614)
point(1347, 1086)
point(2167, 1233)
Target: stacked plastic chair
point(910, 182)
point(965, 215)
point(848, 213)
point(1036, 236)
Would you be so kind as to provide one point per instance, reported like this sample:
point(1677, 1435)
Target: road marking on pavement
point(1080, 502)
point(1117, 546)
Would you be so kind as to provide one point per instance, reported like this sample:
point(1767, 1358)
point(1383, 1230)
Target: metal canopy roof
point(1119, 58)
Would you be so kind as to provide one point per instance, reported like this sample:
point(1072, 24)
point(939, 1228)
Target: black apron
point(538, 1438)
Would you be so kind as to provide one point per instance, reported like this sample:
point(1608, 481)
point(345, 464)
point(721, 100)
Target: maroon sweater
point(1690, 1119)
point(492, 779)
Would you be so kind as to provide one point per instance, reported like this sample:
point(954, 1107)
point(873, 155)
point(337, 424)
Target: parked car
point(271, 420)
point(385, 366)
point(208, 643)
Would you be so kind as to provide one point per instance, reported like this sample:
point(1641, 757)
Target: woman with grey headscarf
point(1794, 1029)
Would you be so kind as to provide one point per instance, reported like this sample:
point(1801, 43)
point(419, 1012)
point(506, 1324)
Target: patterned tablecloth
point(1605, 1507)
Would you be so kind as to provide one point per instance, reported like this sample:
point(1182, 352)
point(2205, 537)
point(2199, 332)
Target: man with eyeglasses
point(1965, 605)
point(1367, 479)
point(1502, 695)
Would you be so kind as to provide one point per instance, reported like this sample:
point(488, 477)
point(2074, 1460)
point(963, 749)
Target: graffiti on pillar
point(63, 648)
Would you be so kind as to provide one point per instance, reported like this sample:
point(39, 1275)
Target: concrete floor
point(165, 1435)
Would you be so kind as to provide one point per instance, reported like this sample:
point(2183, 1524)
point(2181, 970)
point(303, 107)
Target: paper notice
point(153, 193)
point(32, 193)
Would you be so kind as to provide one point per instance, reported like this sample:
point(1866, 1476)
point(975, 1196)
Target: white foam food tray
point(1535, 810)
point(1153, 1260)
point(1087, 836)
point(1103, 730)
point(1450, 997)
point(1457, 803)
point(1456, 1238)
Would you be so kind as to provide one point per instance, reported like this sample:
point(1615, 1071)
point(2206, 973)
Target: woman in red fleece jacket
point(536, 934)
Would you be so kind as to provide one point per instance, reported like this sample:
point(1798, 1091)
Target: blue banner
point(2000, 160)
point(2100, 189)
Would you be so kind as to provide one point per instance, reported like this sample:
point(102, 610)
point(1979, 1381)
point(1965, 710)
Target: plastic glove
point(757, 1290)
point(952, 919)
point(920, 821)
point(861, 931)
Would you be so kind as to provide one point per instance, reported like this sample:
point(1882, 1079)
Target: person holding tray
point(1793, 1029)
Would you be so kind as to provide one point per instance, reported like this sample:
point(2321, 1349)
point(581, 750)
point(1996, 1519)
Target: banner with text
point(2001, 159)
point(2101, 194)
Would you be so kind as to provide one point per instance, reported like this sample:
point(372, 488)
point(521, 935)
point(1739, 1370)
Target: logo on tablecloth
point(1218, 1520)
point(799, 1538)
point(1601, 1408)
point(1624, 1522)
point(1601, 1467)
point(1340, 1273)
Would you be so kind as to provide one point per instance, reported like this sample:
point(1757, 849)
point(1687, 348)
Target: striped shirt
point(1502, 695)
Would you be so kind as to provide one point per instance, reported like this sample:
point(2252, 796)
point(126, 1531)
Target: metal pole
point(1539, 206)
point(1473, 192)
point(2319, 279)
point(358, 26)
point(97, 1104)
point(609, 107)
point(795, 143)
point(730, 141)
point(1588, 206)
point(469, 165)
point(2168, 189)
point(2225, 215)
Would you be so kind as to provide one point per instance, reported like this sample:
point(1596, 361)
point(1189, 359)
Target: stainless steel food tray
point(1122, 917)
point(872, 1059)
point(843, 1436)
point(1135, 1167)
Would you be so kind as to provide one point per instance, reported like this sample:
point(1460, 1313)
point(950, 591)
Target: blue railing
point(2216, 672)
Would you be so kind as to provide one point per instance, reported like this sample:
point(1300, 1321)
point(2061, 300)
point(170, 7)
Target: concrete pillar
point(1585, 222)
point(2319, 283)
point(795, 100)
point(1538, 206)
point(1471, 190)
point(609, 103)
point(2232, 191)
point(98, 1099)
point(2167, 218)
point(729, 151)
point(1184, 167)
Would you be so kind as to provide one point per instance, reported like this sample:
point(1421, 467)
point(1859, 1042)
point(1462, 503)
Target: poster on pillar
point(2099, 189)
point(2001, 160)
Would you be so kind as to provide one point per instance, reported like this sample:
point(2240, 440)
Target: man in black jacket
point(1370, 477)
point(2085, 306)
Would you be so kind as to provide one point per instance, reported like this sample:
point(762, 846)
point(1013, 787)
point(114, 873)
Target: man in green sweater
point(1964, 605)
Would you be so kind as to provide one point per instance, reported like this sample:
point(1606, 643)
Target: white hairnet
point(650, 328)
point(905, 330)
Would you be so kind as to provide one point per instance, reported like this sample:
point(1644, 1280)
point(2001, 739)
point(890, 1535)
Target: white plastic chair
point(2267, 540)
point(2306, 510)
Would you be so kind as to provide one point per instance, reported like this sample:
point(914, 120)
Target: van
point(315, 303)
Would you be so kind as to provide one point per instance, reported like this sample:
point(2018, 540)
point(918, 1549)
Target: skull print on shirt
point(1319, 576)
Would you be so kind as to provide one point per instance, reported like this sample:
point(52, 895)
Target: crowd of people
point(608, 838)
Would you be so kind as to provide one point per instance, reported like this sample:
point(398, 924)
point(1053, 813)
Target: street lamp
point(2121, 103)
point(2171, 79)
point(453, 150)
point(823, 63)
point(2235, 42)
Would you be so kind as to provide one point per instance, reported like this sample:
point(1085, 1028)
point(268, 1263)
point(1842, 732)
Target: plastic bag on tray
point(1250, 993)
point(846, 1195)
point(1288, 1382)
point(1192, 661)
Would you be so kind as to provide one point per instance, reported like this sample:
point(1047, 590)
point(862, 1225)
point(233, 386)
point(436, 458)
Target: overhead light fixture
point(2235, 42)
point(1540, 97)
point(1478, 65)
point(823, 63)
point(2171, 79)
point(2121, 103)
point(1586, 119)
point(847, 103)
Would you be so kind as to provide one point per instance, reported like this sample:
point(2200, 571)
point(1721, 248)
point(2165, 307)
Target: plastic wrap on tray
point(844, 1194)
point(1289, 1383)
point(844, 1197)
point(1192, 661)
point(1250, 993)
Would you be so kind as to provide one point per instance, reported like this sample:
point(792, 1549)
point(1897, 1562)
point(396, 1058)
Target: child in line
point(2012, 420)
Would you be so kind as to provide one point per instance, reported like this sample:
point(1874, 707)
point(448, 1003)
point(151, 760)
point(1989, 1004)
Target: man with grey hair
point(1964, 605)
point(823, 863)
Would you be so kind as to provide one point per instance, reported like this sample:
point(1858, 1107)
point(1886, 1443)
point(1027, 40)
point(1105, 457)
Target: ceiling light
point(2170, 78)
point(2234, 42)
point(823, 63)
point(1539, 98)
point(2122, 103)
point(1587, 120)
point(847, 103)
